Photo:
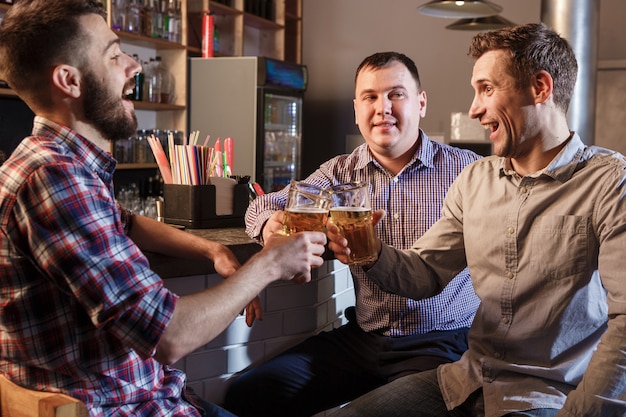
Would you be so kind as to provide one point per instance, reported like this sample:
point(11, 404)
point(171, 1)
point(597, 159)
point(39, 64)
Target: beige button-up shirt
point(547, 257)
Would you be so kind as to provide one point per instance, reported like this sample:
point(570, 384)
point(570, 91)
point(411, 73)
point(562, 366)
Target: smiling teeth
point(128, 92)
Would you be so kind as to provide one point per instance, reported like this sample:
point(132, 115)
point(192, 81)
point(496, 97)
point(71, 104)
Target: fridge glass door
point(282, 135)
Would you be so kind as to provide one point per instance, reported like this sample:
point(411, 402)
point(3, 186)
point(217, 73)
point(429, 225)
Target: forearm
point(199, 318)
point(602, 390)
point(152, 236)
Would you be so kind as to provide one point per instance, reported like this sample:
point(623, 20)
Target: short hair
point(382, 59)
point(531, 48)
point(35, 35)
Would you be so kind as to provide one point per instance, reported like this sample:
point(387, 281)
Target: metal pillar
point(577, 21)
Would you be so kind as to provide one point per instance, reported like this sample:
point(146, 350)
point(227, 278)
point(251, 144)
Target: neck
point(540, 156)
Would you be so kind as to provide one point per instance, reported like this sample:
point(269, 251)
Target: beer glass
point(351, 212)
point(306, 209)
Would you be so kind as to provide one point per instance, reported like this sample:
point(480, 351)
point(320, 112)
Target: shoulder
point(452, 155)
point(611, 162)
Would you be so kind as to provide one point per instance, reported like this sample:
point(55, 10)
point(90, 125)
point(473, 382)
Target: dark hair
point(532, 48)
point(37, 34)
point(382, 59)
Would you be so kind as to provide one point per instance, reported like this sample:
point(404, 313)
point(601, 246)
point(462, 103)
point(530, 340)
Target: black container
point(193, 206)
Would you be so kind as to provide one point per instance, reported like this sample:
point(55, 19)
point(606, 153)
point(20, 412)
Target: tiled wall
point(292, 312)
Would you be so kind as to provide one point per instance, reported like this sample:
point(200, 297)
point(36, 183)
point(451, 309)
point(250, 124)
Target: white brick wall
point(291, 313)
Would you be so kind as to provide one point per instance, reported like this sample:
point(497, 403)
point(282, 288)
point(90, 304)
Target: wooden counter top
point(235, 238)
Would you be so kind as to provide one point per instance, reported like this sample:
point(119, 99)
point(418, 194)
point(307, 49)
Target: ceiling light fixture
point(481, 23)
point(456, 9)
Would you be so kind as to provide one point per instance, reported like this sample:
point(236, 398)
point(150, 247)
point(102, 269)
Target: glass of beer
point(306, 209)
point(351, 212)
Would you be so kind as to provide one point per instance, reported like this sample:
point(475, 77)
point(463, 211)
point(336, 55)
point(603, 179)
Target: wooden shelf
point(243, 33)
point(260, 23)
point(147, 42)
point(126, 167)
point(222, 9)
point(147, 105)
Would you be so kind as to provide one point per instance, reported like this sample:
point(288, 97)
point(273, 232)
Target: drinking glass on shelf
point(351, 212)
point(306, 209)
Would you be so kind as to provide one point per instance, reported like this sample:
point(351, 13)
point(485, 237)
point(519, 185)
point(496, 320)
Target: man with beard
point(80, 310)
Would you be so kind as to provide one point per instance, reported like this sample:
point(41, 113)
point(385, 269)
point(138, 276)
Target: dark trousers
point(335, 367)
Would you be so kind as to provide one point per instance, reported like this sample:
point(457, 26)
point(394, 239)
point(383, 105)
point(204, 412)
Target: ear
point(423, 100)
point(542, 85)
point(67, 79)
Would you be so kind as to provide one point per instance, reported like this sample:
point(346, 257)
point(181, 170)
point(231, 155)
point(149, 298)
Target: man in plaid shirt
point(80, 310)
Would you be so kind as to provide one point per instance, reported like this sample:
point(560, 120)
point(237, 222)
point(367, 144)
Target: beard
point(105, 111)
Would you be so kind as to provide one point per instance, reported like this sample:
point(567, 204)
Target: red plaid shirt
point(80, 310)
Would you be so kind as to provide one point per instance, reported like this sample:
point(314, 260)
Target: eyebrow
point(395, 87)
point(111, 43)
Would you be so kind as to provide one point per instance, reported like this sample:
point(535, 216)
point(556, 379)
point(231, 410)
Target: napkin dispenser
point(205, 206)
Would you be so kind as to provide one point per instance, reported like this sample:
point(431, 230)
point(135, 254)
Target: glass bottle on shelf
point(167, 82)
point(216, 40)
point(174, 22)
point(137, 94)
point(118, 14)
point(133, 16)
point(154, 81)
point(148, 17)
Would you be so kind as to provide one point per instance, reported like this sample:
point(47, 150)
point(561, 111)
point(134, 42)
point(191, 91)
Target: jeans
point(334, 367)
point(418, 395)
point(205, 408)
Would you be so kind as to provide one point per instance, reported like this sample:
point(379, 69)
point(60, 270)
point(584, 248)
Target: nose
point(476, 108)
point(384, 105)
point(134, 67)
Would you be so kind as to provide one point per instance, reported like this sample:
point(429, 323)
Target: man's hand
point(297, 254)
point(272, 225)
point(224, 260)
point(339, 245)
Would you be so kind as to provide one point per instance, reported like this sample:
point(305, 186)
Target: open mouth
point(129, 89)
point(492, 127)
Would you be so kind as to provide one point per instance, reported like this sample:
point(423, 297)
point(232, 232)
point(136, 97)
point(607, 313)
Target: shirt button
point(396, 216)
point(509, 275)
point(511, 230)
point(523, 190)
point(505, 320)
point(395, 180)
point(497, 355)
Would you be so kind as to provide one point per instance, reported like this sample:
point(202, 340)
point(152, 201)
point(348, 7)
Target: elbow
point(168, 353)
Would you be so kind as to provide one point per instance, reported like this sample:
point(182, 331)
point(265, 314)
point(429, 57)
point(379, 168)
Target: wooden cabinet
point(270, 28)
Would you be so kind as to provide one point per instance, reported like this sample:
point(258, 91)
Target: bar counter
point(291, 312)
point(234, 238)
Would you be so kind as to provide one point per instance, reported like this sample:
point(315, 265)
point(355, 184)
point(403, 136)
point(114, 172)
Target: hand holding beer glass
point(351, 212)
point(306, 209)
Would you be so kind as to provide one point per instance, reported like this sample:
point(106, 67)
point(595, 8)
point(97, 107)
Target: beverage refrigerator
point(256, 101)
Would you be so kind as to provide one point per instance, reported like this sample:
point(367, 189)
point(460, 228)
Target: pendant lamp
point(481, 23)
point(456, 9)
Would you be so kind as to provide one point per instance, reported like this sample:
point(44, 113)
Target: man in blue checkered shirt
point(387, 336)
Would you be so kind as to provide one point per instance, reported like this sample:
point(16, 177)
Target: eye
point(395, 95)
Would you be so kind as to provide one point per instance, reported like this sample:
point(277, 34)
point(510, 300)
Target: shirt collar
point(562, 166)
point(425, 154)
point(85, 151)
